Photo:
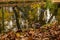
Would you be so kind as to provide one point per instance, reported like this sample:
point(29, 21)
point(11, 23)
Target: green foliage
point(48, 3)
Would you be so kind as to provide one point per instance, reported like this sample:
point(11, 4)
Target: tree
point(52, 8)
point(16, 16)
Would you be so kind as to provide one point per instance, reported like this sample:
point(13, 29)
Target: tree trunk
point(54, 14)
point(16, 17)
point(2, 18)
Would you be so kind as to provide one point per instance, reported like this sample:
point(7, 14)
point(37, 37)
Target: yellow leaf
point(18, 34)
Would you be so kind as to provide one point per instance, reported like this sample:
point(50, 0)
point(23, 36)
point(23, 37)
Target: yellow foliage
point(6, 14)
point(35, 5)
point(18, 34)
